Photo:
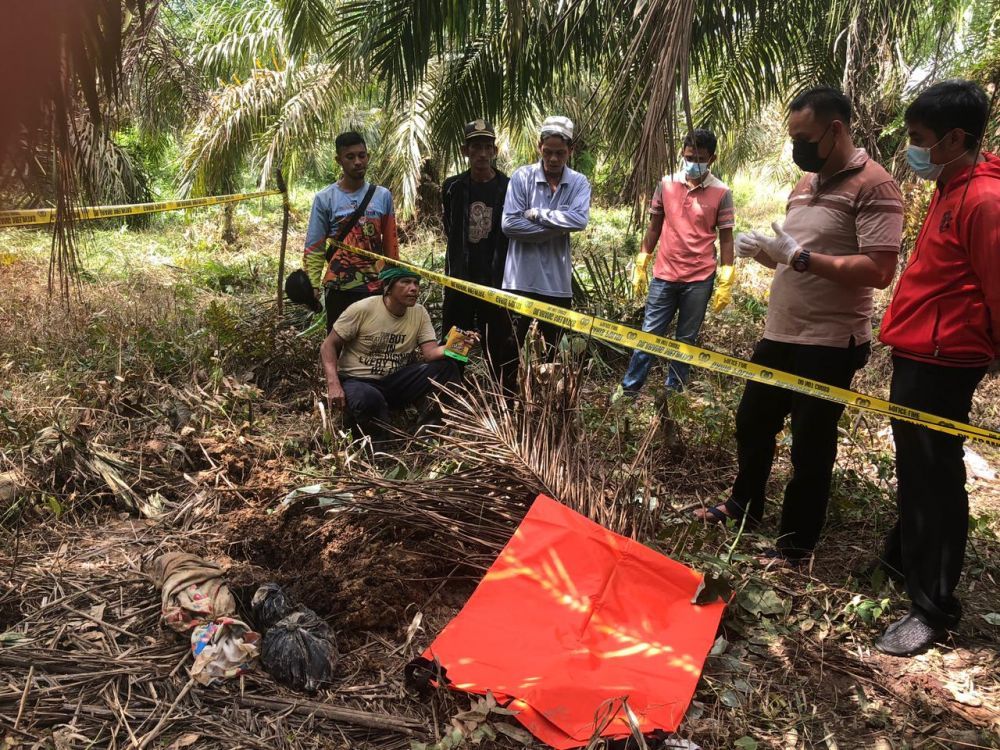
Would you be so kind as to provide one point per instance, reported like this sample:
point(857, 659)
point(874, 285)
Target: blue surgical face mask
point(919, 159)
point(695, 170)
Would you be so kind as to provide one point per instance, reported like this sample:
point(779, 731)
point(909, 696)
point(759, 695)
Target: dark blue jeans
point(369, 400)
point(689, 299)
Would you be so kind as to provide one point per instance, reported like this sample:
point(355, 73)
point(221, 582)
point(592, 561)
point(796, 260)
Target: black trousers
point(761, 416)
point(550, 331)
point(337, 301)
point(369, 400)
point(494, 325)
point(927, 544)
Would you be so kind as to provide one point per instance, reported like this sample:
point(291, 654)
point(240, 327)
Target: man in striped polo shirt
point(840, 239)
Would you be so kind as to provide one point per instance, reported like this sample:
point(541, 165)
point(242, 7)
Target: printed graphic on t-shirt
point(480, 221)
point(374, 231)
point(382, 357)
point(347, 270)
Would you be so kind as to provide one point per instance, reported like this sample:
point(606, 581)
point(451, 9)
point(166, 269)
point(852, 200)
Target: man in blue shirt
point(353, 212)
point(545, 202)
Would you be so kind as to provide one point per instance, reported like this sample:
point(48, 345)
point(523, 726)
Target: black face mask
point(806, 156)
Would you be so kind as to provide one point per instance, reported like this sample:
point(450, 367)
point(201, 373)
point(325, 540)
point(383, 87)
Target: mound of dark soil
point(334, 567)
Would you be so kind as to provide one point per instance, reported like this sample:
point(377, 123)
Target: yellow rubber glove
point(640, 284)
point(723, 295)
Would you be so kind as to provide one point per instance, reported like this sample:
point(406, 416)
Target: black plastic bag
point(270, 604)
point(299, 289)
point(300, 651)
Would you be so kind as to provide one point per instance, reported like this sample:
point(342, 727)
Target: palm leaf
point(225, 133)
point(307, 25)
point(403, 144)
point(319, 102)
point(233, 37)
point(62, 59)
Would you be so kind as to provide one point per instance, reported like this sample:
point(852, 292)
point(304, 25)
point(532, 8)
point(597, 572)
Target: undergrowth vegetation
point(169, 389)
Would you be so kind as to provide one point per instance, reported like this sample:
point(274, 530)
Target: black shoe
point(908, 636)
point(429, 414)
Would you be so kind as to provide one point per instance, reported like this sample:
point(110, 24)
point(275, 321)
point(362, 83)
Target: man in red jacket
point(943, 325)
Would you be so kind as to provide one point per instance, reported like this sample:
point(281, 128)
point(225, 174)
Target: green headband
point(391, 274)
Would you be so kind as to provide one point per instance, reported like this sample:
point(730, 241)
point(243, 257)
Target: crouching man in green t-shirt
point(368, 357)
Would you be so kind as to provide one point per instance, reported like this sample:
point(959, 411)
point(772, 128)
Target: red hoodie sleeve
point(982, 237)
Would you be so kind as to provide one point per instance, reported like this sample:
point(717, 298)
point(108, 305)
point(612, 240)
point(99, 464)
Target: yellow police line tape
point(39, 216)
point(661, 346)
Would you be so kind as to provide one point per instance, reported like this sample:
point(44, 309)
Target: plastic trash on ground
point(270, 604)
point(222, 649)
point(300, 651)
point(978, 466)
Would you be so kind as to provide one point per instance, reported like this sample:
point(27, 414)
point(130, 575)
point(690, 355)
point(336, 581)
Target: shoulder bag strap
point(352, 220)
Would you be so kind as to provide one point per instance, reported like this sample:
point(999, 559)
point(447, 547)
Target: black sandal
point(714, 514)
point(717, 515)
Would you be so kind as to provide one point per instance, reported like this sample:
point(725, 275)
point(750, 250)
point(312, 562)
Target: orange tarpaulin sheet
point(571, 615)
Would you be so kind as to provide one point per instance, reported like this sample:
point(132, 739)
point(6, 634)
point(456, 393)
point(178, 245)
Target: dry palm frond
point(493, 455)
point(544, 439)
point(71, 459)
point(109, 170)
point(659, 56)
point(162, 84)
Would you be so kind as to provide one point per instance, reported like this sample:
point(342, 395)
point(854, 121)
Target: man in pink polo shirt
point(688, 210)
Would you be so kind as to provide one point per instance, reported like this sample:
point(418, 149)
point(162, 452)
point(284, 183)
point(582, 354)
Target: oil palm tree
point(416, 70)
point(62, 79)
point(654, 64)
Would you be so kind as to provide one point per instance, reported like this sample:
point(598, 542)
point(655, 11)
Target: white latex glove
point(781, 248)
point(746, 245)
point(531, 214)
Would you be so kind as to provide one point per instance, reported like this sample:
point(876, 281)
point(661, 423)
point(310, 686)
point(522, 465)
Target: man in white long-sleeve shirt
point(545, 202)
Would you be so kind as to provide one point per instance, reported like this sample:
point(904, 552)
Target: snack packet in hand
point(457, 346)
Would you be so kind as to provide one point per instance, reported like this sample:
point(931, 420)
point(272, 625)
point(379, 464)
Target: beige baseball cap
point(557, 125)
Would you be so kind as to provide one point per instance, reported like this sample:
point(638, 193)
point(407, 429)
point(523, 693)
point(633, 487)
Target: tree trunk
point(429, 194)
point(229, 227)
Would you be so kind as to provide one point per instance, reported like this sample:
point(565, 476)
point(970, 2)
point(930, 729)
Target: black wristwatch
point(801, 262)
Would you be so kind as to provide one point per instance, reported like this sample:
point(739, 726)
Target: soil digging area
point(357, 583)
point(193, 441)
point(86, 663)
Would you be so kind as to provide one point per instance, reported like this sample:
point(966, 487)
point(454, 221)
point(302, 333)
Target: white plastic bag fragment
point(978, 466)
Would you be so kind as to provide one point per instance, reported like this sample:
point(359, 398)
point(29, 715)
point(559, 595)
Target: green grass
point(171, 315)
